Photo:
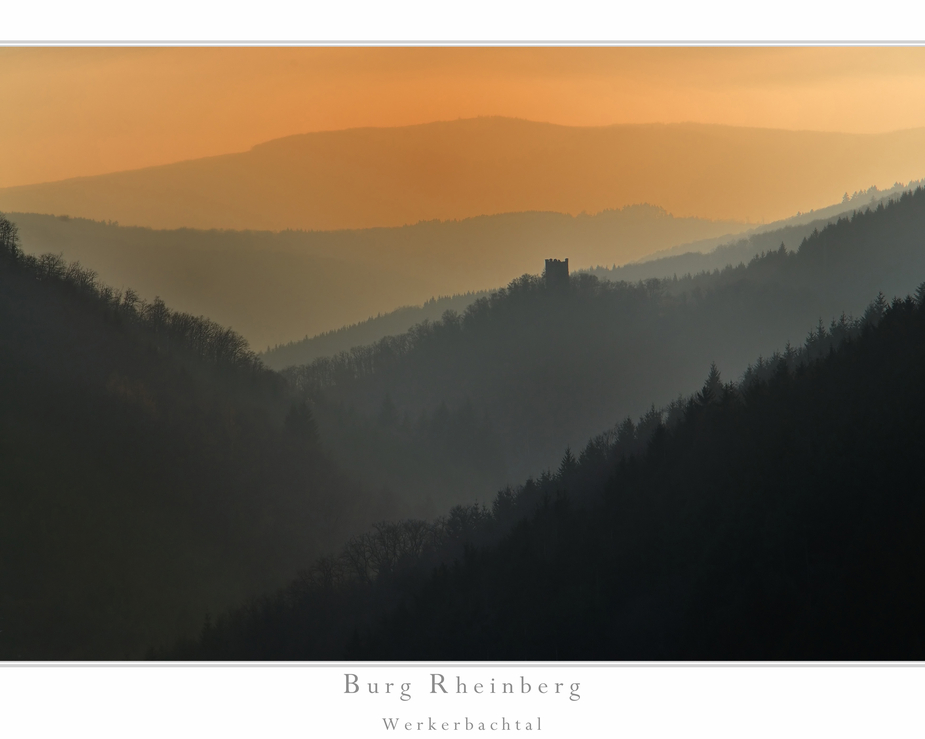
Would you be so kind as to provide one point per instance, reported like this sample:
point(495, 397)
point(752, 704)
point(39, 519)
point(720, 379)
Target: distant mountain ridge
point(369, 177)
point(279, 287)
point(706, 255)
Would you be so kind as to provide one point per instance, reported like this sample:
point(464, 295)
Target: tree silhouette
point(712, 387)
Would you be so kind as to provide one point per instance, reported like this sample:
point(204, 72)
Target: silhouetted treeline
point(548, 368)
point(315, 615)
point(777, 518)
point(366, 332)
point(320, 613)
point(151, 469)
point(170, 331)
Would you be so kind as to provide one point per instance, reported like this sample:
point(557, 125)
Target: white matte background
point(310, 701)
point(476, 21)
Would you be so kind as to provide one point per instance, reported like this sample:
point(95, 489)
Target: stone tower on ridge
point(556, 273)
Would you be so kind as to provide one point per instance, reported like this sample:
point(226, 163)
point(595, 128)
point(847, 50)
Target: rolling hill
point(361, 178)
point(151, 469)
point(688, 258)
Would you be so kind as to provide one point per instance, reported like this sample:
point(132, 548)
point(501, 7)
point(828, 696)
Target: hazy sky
point(81, 111)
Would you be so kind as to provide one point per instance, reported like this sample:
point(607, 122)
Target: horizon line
point(461, 120)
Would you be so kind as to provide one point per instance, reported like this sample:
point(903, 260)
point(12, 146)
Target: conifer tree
point(568, 465)
point(712, 388)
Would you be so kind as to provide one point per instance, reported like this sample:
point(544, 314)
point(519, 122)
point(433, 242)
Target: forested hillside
point(154, 470)
point(151, 468)
point(277, 287)
point(691, 258)
point(714, 254)
point(775, 518)
point(545, 368)
point(369, 331)
point(778, 520)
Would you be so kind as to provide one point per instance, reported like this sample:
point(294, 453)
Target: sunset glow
point(86, 111)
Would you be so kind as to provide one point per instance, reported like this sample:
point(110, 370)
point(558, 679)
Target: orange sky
point(81, 111)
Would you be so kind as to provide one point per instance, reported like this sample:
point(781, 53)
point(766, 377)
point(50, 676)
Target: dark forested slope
point(777, 518)
point(151, 469)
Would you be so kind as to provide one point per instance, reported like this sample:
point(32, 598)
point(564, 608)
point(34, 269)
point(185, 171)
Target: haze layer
point(392, 176)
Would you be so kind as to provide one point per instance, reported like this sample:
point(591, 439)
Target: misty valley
point(710, 450)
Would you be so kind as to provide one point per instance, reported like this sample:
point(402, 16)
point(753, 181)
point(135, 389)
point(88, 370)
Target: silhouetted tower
point(556, 273)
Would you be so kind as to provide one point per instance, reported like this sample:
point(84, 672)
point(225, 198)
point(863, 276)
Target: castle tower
point(556, 273)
